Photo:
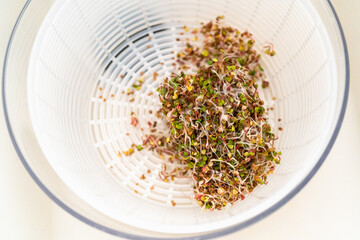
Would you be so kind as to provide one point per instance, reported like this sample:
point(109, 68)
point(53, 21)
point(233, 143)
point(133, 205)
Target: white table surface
point(327, 208)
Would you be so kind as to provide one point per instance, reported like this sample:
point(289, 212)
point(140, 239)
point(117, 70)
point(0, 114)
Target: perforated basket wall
point(85, 46)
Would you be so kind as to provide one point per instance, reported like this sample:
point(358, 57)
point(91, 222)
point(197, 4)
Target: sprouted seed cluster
point(219, 129)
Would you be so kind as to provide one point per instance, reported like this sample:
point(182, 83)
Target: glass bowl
point(81, 41)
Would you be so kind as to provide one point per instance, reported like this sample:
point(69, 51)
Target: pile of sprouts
point(218, 124)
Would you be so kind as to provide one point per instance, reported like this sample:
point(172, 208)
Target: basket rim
point(223, 232)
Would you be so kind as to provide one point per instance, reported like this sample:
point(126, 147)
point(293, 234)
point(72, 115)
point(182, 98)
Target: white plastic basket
point(83, 45)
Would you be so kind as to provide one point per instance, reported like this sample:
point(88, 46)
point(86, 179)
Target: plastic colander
point(65, 58)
